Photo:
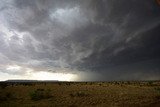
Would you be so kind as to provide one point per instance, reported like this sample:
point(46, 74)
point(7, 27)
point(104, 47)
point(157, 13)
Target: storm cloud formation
point(95, 39)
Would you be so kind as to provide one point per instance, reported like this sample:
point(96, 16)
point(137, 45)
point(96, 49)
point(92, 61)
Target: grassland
point(80, 94)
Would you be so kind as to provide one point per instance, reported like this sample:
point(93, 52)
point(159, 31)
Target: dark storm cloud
point(108, 38)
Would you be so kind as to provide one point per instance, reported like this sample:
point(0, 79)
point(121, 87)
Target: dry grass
point(85, 94)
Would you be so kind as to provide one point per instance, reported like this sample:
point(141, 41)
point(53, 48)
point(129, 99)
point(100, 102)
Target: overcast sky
point(86, 40)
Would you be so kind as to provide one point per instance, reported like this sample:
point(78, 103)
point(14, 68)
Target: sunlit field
point(80, 94)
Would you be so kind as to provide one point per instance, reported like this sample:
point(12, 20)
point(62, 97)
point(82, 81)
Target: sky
point(80, 40)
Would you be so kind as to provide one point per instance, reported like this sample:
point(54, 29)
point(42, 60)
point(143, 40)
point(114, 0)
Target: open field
point(80, 94)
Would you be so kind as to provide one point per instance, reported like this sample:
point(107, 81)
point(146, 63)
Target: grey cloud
point(94, 36)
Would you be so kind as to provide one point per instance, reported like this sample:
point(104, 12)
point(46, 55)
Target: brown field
point(80, 94)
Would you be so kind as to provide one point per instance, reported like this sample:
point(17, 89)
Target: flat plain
point(80, 94)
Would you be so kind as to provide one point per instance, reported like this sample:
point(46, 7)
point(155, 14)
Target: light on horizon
point(53, 76)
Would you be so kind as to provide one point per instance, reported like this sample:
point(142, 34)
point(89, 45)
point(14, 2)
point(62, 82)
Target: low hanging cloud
point(97, 40)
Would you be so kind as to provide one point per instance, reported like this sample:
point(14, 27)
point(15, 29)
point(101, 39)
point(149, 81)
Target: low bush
point(79, 94)
point(6, 96)
point(3, 85)
point(59, 83)
point(150, 83)
point(157, 89)
point(40, 94)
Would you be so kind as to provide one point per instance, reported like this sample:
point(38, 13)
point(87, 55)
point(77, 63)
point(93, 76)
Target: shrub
point(40, 94)
point(68, 83)
point(6, 96)
point(3, 98)
point(100, 84)
point(90, 83)
point(128, 82)
point(150, 83)
point(3, 85)
point(9, 95)
point(59, 83)
point(157, 89)
point(79, 94)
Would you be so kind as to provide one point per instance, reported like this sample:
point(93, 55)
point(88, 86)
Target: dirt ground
point(80, 94)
